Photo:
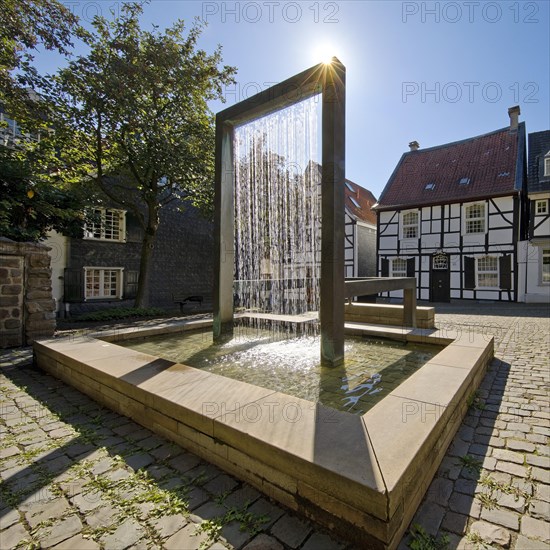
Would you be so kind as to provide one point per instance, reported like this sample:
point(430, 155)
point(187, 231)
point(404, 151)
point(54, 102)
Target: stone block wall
point(27, 309)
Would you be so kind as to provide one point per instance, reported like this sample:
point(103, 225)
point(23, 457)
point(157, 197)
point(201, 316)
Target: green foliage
point(31, 204)
point(132, 118)
point(471, 464)
point(475, 401)
point(24, 26)
point(421, 540)
point(121, 313)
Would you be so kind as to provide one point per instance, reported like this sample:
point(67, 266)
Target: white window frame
point(547, 165)
point(494, 271)
point(544, 253)
point(398, 272)
point(472, 219)
point(541, 206)
point(101, 283)
point(100, 232)
point(407, 226)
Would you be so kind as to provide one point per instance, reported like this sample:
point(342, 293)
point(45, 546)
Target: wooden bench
point(182, 299)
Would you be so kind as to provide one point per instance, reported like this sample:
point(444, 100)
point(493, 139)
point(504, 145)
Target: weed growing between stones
point(421, 540)
point(471, 464)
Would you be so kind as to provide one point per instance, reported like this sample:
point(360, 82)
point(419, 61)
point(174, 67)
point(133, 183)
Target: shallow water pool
point(373, 366)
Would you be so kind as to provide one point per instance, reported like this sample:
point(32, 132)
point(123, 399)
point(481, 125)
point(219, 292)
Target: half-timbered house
point(360, 228)
point(452, 216)
point(535, 252)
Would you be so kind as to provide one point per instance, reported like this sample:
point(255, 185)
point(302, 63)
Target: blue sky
point(434, 72)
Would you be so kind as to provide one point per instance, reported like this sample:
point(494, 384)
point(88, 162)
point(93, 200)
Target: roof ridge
point(458, 142)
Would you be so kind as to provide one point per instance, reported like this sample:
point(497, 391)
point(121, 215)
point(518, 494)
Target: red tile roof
point(489, 161)
point(364, 198)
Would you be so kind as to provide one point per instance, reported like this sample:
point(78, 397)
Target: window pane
point(399, 267)
point(410, 218)
point(409, 232)
point(107, 224)
point(410, 225)
point(487, 271)
point(475, 218)
point(102, 283)
point(487, 279)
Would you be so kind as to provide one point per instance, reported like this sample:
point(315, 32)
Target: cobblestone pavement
point(493, 486)
point(77, 476)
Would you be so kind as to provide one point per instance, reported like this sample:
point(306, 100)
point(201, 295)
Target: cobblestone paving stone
point(493, 487)
point(75, 475)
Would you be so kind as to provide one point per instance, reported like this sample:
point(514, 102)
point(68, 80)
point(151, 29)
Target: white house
point(453, 215)
point(535, 252)
point(360, 231)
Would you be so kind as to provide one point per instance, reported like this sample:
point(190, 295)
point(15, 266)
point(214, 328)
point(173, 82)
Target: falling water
point(278, 211)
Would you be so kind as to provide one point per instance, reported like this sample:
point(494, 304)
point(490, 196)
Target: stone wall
point(27, 309)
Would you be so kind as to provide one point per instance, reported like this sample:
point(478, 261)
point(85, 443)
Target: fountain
point(328, 82)
point(362, 475)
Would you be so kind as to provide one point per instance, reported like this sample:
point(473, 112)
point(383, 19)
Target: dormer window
point(429, 186)
point(354, 202)
point(547, 165)
point(409, 225)
point(464, 181)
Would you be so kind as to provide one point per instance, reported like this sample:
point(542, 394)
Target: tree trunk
point(147, 246)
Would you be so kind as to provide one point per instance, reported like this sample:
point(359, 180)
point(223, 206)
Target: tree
point(24, 26)
point(34, 198)
point(136, 121)
point(30, 205)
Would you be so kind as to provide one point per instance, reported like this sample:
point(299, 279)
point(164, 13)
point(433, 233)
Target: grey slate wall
point(366, 251)
point(183, 257)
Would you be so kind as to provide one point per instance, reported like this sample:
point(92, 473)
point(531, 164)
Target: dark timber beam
point(332, 216)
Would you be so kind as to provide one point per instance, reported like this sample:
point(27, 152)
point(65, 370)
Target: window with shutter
point(103, 282)
point(487, 272)
point(399, 267)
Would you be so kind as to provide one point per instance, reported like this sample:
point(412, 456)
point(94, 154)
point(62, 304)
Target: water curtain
point(278, 211)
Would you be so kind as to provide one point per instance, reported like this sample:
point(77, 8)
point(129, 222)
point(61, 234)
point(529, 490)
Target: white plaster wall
point(530, 288)
point(58, 254)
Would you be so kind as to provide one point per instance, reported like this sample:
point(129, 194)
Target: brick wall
point(27, 309)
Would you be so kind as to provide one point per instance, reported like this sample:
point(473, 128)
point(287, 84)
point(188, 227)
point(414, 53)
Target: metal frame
point(328, 80)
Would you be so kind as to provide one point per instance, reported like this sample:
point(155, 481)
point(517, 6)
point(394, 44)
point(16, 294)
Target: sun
point(323, 53)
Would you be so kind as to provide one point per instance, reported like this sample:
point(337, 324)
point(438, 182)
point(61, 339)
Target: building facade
point(360, 231)
point(452, 216)
point(101, 269)
point(535, 250)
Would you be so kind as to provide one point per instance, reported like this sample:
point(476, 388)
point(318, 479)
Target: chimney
point(513, 113)
point(414, 145)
